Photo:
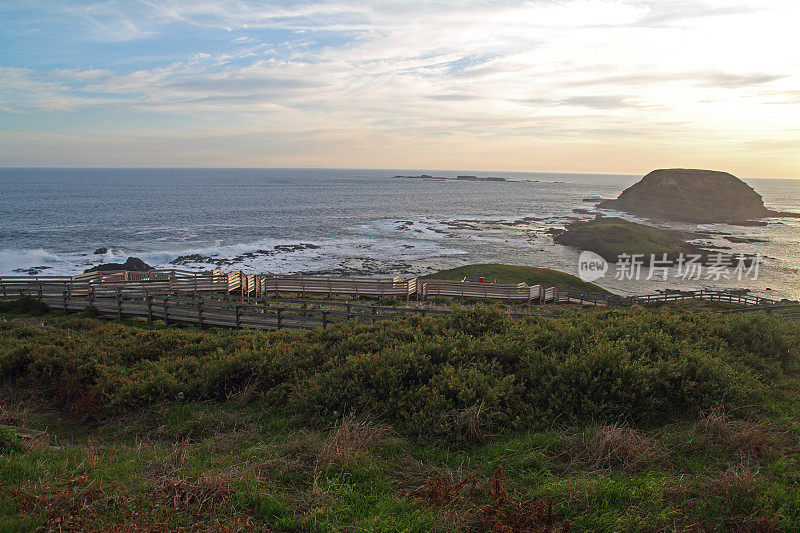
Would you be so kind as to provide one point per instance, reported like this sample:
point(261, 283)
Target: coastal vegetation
point(593, 420)
point(515, 274)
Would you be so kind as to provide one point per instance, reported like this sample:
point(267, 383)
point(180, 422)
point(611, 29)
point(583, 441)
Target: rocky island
point(457, 178)
point(692, 195)
point(611, 237)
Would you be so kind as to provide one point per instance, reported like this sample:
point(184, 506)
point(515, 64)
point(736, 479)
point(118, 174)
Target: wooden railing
point(97, 286)
point(496, 291)
point(206, 309)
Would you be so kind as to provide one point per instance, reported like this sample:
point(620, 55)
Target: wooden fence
point(202, 307)
point(716, 296)
point(206, 309)
point(496, 291)
point(134, 288)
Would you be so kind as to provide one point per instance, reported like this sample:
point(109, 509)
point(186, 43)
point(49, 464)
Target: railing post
point(149, 300)
point(348, 312)
point(91, 295)
point(279, 317)
point(238, 317)
point(200, 314)
point(374, 314)
point(324, 319)
point(65, 300)
point(41, 290)
point(119, 302)
point(166, 307)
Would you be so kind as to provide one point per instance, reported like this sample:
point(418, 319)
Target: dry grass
point(69, 504)
point(487, 506)
point(737, 481)
point(350, 438)
point(466, 425)
point(615, 446)
point(202, 495)
point(177, 456)
point(743, 437)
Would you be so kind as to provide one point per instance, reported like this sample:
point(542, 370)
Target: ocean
point(343, 222)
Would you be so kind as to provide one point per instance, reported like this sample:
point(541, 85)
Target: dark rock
point(731, 238)
point(133, 264)
point(691, 195)
point(32, 271)
point(476, 178)
point(100, 251)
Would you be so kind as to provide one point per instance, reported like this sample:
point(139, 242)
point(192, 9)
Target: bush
point(389, 301)
point(24, 305)
point(9, 442)
point(473, 373)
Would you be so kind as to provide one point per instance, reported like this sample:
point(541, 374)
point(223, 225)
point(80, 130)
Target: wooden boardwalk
point(254, 301)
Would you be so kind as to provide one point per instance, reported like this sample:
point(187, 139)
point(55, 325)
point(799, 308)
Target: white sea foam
point(12, 260)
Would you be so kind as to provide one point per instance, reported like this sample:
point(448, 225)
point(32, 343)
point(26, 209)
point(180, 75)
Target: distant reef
point(693, 195)
point(457, 178)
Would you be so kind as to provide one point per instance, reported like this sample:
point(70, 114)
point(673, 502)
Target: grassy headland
point(610, 237)
point(516, 274)
point(618, 419)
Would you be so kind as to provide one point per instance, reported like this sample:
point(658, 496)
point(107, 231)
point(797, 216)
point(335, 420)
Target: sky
point(555, 85)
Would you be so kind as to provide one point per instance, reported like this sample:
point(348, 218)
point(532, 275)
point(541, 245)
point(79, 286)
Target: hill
point(516, 274)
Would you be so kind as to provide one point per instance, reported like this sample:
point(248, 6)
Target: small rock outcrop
point(133, 264)
point(691, 195)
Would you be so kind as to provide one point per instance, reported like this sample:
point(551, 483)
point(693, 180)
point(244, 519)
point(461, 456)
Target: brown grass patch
point(202, 495)
point(614, 446)
point(737, 481)
point(351, 436)
point(488, 506)
point(70, 504)
point(742, 437)
point(466, 425)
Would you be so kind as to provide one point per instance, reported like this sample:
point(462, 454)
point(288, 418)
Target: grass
point(236, 452)
point(516, 274)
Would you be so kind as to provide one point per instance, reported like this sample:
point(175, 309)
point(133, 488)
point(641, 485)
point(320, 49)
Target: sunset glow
point(576, 85)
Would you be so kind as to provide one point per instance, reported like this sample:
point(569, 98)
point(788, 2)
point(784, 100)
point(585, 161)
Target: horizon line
point(189, 167)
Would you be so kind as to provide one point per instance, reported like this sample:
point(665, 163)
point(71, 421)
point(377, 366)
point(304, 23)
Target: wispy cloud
point(390, 77)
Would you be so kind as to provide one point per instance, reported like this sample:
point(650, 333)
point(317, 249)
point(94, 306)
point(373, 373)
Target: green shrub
point(24, 305)
point(9, 442)
point(473, 372)
point(389, 301)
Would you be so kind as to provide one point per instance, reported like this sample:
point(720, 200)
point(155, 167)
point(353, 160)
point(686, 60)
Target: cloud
point(598, 102)
point(416, 71)
point(732, 80)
